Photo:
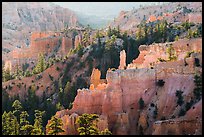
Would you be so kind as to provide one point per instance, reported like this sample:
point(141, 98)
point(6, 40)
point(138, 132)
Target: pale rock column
point(122, 60)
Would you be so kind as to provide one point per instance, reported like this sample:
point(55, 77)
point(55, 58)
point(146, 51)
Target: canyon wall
point(149, 55)
point(118, 99)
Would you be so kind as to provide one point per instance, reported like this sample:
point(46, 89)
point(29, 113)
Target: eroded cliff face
point(20, 19)
point(172, 12)
point(118, 100)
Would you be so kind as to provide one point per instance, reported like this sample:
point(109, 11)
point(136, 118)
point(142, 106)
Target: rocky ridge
point(118, 100)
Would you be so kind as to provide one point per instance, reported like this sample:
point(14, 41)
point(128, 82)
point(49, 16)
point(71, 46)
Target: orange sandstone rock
point(95, 77)
point(122, 59)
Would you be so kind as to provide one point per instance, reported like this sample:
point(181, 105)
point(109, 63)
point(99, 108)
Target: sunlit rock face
point(122, 59)
point(118, 99)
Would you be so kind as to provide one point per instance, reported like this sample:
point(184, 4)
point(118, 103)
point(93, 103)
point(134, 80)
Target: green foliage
point(186, 25)
point(109, 32)
point(25, 66)
point(177, 38)
point(189, 105)
point(180, 97)
point(38, 128)
point(39, 76)
point(51, 77)
point(6, 75)
point(197, 62)
point(161, 60)
point(27, 73)
point(87, 125)
point(41, 65)
point(190, 34)
point(80, 50)
point(55, 126)
point(85, 39)
point(155, 113)
point(188, 54)
point(141, 103)
point(10, 87)
point(59, 106)
point(6, 101)
point(198, 87)
point(17, 108)
point(182, 112)
point(57, 68)
point(105, 132)
point(10, 125)
point(25, 128)
point(171, 53)
point(160, 82)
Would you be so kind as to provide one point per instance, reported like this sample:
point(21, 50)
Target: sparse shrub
point(141, 103)
point(198, 87)
point(188, 54)
point(173, 116)
point(81, 65)
point(182, 112)
point(180, 97)
point(57, 68)
point(19, 85)
point(161, 60)
point(163, 118)
point(51, 77)
point(171, 53)
point(197, 62)
point(160, 82)
point(61, 74)
point(113, 69)
point(37, 87)
point(176, 38)
point(9, 87)
point(189, 105)
point(39, 76)
point(155, 112)
point(152, 104)
point(70, 105)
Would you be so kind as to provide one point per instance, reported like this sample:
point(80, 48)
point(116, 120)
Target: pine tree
point(87, 126)
point(105, 132)
point(10, 125)
point(6, 74)
point(41, 65)
point(25, 128)
point(109, 32)
point(198, 87)
point(17, 108)
point(55, 126)
point(38, 128)
point(98, 38)
point(118, 31)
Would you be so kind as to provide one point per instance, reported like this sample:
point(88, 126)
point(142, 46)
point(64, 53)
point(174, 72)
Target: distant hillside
point(95, 22)
point(20, 19)
point(173, 12)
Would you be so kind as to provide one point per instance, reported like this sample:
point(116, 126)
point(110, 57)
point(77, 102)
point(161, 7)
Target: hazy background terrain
point(98, 14)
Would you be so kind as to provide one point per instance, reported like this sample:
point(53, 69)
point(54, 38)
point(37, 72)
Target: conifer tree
point(87, 124)
point(38, 128)
point(10, 125)
point(41, 65)
point(55, 126)
point(25, 127)
point(17, 108)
